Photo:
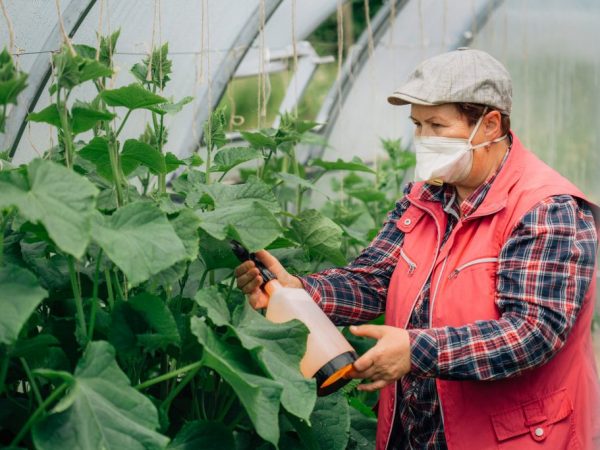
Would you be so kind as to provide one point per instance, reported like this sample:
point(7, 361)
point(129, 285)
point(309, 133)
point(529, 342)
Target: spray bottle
point(328, 356)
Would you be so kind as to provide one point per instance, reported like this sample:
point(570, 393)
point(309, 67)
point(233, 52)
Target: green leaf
point(227, 158)
point(367, 195)
point(240, 194)
point(159, 65)
point(279, 348)
point(214, 129)
point(249, 222)
point(204, 435)
point(101, 411)
point(330, 424)
point(72, 70)
point(84, 117)
point(98, 153)
point(214, 303)
point(172, 108)
point(32, 347)
point(260, 396)
point(216, 254)
point(54, 196)
point(133, 96)
point(163, 329)
point(363, 431)
point(136, 152)
point(320, 235)
point(19, 296)
point(47, 115)
point(259, 140)
point(186, 226)
point(355, 165)
point(295, 180)
point(139, 239)
point(12, 81)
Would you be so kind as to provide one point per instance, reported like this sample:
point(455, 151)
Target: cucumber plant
point(120, 326)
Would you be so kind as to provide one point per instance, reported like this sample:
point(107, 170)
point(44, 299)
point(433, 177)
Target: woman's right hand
point(249, 279)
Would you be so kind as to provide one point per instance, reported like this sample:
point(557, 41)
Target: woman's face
point(446, 121)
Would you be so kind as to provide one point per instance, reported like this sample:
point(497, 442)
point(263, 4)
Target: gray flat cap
point(463, 75)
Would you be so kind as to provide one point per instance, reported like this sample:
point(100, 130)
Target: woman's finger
point(248, 277)
point(376, 385)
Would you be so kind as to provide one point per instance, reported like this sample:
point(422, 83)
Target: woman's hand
point(387, 361)
point(249, 279)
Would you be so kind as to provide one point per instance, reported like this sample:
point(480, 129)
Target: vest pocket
point(548, 418)
point(474, 262)
point(411, 264)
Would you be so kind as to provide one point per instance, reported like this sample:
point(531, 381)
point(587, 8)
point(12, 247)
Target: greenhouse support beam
point(72, 16)
point(220, 78)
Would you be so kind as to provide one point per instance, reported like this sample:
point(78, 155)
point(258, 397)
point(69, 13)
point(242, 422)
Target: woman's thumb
point(271, 262)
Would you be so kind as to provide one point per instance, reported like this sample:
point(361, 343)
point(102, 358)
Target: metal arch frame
point(330, 110)
point(225, 72)
point(73, 16)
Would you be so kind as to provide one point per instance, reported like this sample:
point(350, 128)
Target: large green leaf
point(97, 152)
point(320, 235)
point(163, 329)
point(102, 410)
point(139, 239)
point(133, 96)
point(54, 196)
point(249, 222)
point(330, 424)
point(186, 226)
point(239, 194)
point(260, 396)
point(84, 117)
point(203, 435)
point(12, 81)
point(47, 115)
point(363, 431)
point(136, 152)
point(214, 303)
point(259, 140)
point(279, 349)
point(19, 296)
point(355, 165)
point(227, 158)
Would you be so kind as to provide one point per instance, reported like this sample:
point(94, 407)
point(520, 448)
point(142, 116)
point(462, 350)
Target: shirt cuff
point(423, 352)
point(311, 286)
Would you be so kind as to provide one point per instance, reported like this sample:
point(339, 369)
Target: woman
point(485, 272)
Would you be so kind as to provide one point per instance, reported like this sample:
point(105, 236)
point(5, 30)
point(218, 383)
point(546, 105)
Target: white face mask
point(446, 160)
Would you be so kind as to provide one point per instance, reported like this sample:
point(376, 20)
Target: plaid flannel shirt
point(544, 270)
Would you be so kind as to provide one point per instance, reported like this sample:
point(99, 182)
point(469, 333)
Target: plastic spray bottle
point(328, 356)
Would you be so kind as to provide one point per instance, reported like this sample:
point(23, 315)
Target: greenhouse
point(151, 150)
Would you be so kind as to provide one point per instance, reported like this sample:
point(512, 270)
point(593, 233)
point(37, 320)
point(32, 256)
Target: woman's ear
point(492, 125)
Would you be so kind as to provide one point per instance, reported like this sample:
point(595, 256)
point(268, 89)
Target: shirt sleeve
point(357, 293)
point(544, 271)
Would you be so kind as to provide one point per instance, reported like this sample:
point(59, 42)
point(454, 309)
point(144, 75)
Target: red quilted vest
point(555, 406)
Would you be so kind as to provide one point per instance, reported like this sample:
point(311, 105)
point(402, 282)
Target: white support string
point(262, 85)
point(63, 32)
point(295, 59)
point(9, 25)
point(340, 52)
point(371, 45)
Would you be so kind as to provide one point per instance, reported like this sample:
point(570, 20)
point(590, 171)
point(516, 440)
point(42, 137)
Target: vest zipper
point(437, 251)
point(411, 265)
point(456, 271)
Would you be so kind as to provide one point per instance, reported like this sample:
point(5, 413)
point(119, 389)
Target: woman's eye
point(436, 125)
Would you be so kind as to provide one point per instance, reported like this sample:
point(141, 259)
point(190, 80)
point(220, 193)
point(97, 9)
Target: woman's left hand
point(387, 361)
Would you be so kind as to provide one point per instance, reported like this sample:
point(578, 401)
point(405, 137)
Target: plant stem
point(113, 153)
point(40, 409)
point(3, 223)
point(34, 386)
point(169, 375)
point(208, 155)
point(203, 278)
point(4, 371)
point(118, 286)
point(95, 297)
point(77, 295)
point(123, 123)
point(109, 289)
point(183, 383)
point(66, 129)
